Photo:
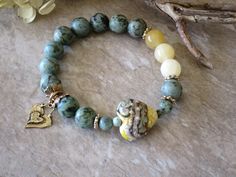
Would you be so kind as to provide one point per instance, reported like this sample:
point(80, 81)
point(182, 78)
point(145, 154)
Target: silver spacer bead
point(96, 120)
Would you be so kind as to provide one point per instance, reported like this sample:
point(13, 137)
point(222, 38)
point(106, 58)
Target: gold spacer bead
point(146, 31)
point(172, 100)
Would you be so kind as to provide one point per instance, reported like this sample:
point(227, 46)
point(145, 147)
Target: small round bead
point(50, 83)
point(99, 22)
point(118, 23)
point(63, 35)
point(116, 121)
point(105, 123)
point(154, 38)
point(81, 27)
point(170, 68)
point(67, 106)
point(49, 66)
point(164, 51)
point(53, 50)
point(165, 106)
point(137, 27)
point(84, 117)
point(172, 87)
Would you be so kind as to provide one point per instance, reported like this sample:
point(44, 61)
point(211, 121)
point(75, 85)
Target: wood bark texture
point(182, 11)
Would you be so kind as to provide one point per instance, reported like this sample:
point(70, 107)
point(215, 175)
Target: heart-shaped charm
point(37, 117)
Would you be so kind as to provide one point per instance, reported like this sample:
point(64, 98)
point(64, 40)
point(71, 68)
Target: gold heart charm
point(37, 117)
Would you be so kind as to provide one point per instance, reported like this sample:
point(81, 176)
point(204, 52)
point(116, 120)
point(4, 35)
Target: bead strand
point(170, 69)
point(133, 117)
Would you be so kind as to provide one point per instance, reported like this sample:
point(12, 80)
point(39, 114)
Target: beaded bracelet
point(134, 118)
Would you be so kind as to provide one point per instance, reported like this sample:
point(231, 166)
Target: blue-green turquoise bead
point(99, 22)
point(63, 35)
point(137, 27)
point(116, 121)
point(67, 107)
point(53, 50)
point(172, 87)
point(118, 23)
point(84, 117)
point(81, 27)
point(105, 123)
point(50, 83)
point(165, 106)
point(49, 66)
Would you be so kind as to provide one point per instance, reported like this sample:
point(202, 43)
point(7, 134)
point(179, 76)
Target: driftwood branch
point(182, 13)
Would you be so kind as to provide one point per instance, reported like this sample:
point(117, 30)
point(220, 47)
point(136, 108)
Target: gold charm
point(37, 117)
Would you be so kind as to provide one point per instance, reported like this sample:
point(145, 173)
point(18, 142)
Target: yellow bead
point(164, 51)
point(153, 38)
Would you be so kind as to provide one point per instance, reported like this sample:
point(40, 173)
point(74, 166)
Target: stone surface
point(196, 139)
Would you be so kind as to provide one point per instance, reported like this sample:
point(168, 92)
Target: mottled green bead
point(117, 121)
point(137, 27)
point(165, 106)
point(63, 35)
point(67, 106)
point(50, 83)
point(105, 123)
point(99, 22)
point(172, 87)
point(49, 66)
point(84, 117)
point(53, 50)
point(81, 27)
point(118, 23)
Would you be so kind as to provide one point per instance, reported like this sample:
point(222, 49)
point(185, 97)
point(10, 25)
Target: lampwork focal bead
point(67, 106)
point(172, 88)
point(153, 38)
point(105, 123)
point(50, 83)
point(53, 50)
point(137, 27)
point(137, 118)
point(99, 22)
point(118, 23)
point(170, 68)
point(81, 27)
point(63, 35)
point(84, 117)
point(164, 51)
point(49, 66)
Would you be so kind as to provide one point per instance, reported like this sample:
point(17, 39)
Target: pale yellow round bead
point(153, 38)
point(164, 51)
point(170, 68)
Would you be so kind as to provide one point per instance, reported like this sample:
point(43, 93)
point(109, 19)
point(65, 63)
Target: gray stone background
point(197, 139)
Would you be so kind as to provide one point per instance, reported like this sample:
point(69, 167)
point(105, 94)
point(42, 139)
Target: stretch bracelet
point(134, 118)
